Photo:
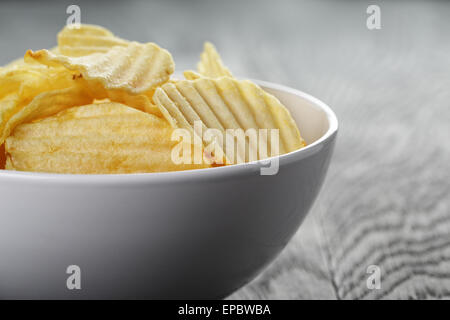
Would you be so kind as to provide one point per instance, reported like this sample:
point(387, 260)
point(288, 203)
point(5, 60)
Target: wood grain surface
point(385, 201)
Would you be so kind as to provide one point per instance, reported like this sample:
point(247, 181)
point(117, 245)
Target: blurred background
point(385, 201)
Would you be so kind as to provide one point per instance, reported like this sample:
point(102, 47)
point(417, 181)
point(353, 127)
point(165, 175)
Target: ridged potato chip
point(12, 64)
point(136, 68)
point(12, 78)
point(27, 92)
point(46, 104)
point(101, 104)
point(227, 103)
point(20, 62)
point(191, 75)
point(141, 102)
point(85, 39)
point(94, 139)
point(19, 72)
point(27, 85)
point(211, 64)
point(180, 115)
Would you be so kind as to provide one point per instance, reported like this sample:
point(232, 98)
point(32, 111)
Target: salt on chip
point(227, 103)
point(94, 139)
point(85, 39)
point(136, 68)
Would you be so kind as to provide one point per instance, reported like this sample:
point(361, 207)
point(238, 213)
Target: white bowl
point(191, 234)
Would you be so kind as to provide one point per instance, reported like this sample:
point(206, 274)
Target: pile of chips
point(98, 104)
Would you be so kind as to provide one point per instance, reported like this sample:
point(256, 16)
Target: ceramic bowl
point(191, 234)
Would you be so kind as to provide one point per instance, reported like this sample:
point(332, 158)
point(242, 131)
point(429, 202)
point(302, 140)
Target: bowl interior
point(311, 117)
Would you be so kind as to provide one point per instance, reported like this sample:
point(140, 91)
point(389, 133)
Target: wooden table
point(385, 201)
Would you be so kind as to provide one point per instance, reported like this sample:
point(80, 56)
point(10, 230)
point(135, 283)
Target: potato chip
point(136, 68)
point(20, 62)
point(211, 64)
point(12, 64)
point(26, 86)
point(141, 102)
point(170, 101)
point(85, 39)
point(15, 76)
point(47, 104)
point(191, 75)
point(12, 78)
point(101, 104)
point(226, 103)
point(97, 138)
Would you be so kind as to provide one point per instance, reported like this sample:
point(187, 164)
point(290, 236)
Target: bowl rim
point(190, 175)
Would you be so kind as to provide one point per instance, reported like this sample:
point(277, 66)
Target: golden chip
point(100, 104)
point(97, 138)
point(12, 78)
point(191, 75)
point(12, 64)
point(211, 64)
point(20, 62)
point(22, 83)
point(170, 102)
point(46, 104)
point(141, 102)
point(226, 103)
point(26, 86)
point(136, 68)
point(86, 39)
